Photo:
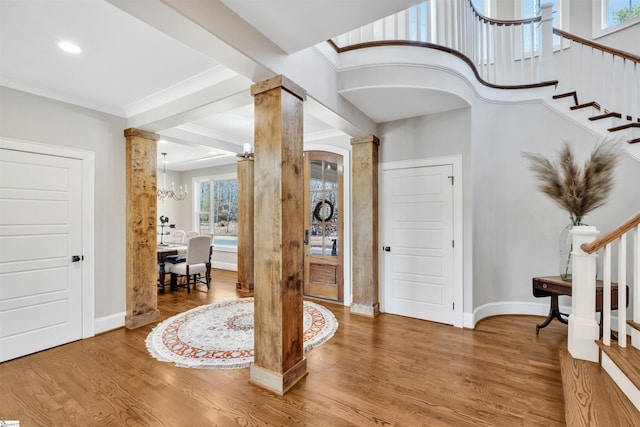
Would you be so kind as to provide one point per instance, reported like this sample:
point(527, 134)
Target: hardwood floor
point(389, 370)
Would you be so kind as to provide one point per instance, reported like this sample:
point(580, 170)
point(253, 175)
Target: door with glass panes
point(323, 254)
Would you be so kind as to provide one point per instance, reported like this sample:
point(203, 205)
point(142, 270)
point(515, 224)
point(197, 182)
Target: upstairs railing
point(599, 73)
point(586, 263)
point(513, 54)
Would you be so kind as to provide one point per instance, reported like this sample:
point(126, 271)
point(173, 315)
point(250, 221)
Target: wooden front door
point(323, 254)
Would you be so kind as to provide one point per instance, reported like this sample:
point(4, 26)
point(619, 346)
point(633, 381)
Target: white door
point(40, 232)
point(418, 243)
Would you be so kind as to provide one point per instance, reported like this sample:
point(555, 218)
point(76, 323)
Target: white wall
point(436, 135)
point(42, 120)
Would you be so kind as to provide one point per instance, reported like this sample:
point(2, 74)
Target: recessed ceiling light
point(69, 47)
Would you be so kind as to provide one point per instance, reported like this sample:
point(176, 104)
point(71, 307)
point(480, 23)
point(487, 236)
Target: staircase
point(607, 391)
point(524, 54)
point(591, 397)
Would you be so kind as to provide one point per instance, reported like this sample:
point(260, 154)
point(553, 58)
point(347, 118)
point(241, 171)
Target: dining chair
point(198, 261)
point(176, 236)
point(190, 234)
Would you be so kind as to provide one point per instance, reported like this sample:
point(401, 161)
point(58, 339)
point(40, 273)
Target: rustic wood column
point(244, 285)
point(142, 277)
point(364, 222)
point(279, 362)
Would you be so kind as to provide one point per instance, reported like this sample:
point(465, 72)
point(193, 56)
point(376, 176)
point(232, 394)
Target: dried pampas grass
point(574, 190)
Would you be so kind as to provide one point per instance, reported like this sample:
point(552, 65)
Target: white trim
point(109, 323)
point(627, 387)
point(224, 265)
point(88, 217)
point(346, 227)
point(458, 210)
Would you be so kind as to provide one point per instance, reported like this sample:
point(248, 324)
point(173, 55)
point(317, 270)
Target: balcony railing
point(513, 54)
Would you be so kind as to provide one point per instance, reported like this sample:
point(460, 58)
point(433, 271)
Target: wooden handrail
point(612, 235)
point(500, 22)
point(454, 52)
point(612, 51)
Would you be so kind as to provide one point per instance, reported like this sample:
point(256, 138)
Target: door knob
point(387, 248)
point(77, 258)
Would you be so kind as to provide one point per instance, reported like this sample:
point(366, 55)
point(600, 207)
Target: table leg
point(554, 313)
point(161, 275)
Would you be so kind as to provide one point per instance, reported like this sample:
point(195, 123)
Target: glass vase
point(566, 248)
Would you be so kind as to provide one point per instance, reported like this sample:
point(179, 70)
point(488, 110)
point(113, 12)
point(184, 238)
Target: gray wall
point(436, 135)
point(515, 226)
point(36, 119)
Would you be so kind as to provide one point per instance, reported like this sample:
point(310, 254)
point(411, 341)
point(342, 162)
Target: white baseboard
point(511, 307)
point(107, 323)
point(224, 265)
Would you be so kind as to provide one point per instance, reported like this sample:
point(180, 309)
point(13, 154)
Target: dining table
point(165, 250)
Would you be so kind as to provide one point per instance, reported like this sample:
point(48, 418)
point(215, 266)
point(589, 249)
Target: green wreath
point(318, 208)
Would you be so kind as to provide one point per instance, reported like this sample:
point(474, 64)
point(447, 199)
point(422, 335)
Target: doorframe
point(458, 265)
point(346, 215)
point(87, 159)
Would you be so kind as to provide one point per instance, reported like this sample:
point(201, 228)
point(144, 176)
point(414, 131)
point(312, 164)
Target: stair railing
point(610, 77)
point(517, 53)
point(504, 53)
point(583, 331)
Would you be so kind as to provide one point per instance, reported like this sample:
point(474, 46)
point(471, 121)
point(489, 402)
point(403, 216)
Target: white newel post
point(547, 65)
point(583, 328)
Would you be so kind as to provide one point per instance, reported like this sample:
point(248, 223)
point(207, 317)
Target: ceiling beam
point(221, 97)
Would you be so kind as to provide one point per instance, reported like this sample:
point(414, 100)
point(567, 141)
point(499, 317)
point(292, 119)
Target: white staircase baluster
point(635, 334)
point(622, 294)
point(606, 297)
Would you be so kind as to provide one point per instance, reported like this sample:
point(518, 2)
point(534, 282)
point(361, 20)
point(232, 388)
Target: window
point(216, 209)
point(619, 11)
point(612, 15)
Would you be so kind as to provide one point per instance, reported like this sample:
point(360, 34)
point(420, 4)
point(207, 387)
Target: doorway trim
point(346, 230)
point(458, 250)
point(88, 214)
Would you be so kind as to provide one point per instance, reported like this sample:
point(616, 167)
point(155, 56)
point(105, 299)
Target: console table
point(553, 286)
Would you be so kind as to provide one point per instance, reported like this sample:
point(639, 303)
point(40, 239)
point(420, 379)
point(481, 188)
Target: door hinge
point(454, 306)
point(451, 178)
point(453, 243)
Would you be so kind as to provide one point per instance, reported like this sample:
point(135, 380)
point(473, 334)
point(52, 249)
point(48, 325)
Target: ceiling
point(135, 70)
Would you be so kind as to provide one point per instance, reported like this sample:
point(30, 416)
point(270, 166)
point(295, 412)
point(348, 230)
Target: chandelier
point(164, 193)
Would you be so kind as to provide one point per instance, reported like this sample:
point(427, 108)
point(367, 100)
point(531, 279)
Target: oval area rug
point(220, 335)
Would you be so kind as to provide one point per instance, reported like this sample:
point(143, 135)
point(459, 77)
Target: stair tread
point(585, 105)
point(605, 116)
point(624, 126)
point(626, 358)
point(591, 397)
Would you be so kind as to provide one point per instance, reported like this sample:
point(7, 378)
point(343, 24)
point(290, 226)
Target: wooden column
point(142, 275)
point(244, 285)
point(279, 362)
point(365, 225)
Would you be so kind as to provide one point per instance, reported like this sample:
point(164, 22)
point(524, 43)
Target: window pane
point(225, 207)
point(330, 176)
point(315, 180)
point(620, 10)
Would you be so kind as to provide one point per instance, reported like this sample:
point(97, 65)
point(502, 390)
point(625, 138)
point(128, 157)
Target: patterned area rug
point(220, 335)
